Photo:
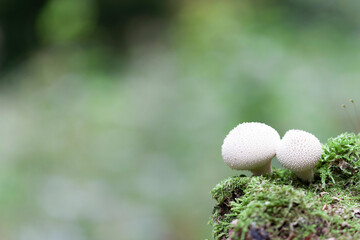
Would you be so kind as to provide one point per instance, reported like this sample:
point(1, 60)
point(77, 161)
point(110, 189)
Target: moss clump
point(340, 161)
point(280, 206)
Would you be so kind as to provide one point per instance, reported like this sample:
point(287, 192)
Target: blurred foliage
point(112, 126)
point(17, 28)
point(66, 21)
point(25, 26)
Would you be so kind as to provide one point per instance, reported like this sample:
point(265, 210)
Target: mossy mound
point(280, 206)
point(340, 163)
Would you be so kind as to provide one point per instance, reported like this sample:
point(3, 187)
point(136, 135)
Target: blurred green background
point(113, 112)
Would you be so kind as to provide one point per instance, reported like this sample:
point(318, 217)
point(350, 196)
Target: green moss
point(340, 160)
point(281, 206)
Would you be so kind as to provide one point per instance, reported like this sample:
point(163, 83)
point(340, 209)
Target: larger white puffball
point(249, 146)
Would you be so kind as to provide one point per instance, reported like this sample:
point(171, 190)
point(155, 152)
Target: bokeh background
point(112, 113)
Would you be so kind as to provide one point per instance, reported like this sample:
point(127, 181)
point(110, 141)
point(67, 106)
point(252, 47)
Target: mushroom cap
point(250, 145)
point(299, 150)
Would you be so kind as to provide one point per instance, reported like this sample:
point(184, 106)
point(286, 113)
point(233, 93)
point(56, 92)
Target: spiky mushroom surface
point(250, 146)
point(299, 151)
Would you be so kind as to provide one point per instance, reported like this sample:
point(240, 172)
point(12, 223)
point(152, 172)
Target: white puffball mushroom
point(299, 151)
point(250, 146)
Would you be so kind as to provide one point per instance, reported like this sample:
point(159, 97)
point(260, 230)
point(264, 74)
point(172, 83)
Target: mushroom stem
point(307, 175)
point(265, 169)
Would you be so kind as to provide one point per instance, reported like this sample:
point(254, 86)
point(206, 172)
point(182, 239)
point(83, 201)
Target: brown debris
point(344, 165)
point(339, 211)
point(357, 213)
point(257, 233)
point(323, 193)
point(327, 208)
point(344, 225)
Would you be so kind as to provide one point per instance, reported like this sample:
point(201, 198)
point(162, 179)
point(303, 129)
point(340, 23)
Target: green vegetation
point(282, 207)
point(340, 163)
point(113, 112)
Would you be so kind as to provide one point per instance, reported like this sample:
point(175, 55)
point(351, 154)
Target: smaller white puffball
point(250, 146)
point(299, 151)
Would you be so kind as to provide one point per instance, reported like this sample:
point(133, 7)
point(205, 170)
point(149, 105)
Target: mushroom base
point(306, 176)
point(266, 169)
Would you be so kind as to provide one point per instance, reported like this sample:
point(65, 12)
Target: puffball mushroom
point(250, 146)
point(299, 151)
